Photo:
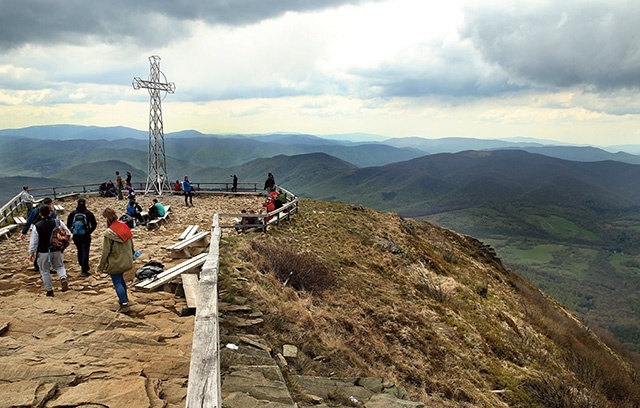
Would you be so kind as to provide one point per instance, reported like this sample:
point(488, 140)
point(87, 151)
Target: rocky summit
point(340, 306)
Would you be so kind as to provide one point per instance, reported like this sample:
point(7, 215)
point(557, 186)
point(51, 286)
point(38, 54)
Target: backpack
point(80, 224)
point(129, 220)
point(60, 238)
point(149, 270)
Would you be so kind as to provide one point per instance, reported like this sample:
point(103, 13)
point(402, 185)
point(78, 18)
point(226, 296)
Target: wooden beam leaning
point(204, 388)
point(189, 231)
point(190, 287)
point(183, 248)
point(4, 231)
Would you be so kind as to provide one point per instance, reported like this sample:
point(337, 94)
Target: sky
point(562, 70)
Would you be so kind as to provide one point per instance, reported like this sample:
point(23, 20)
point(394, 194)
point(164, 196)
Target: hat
point(82, 201)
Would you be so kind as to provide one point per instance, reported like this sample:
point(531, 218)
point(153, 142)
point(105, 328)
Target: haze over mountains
point(567, 217)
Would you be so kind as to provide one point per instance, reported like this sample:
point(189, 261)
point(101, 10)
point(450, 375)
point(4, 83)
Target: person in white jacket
point(27, 199)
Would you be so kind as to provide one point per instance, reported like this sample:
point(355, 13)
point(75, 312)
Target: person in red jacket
point(270, 206)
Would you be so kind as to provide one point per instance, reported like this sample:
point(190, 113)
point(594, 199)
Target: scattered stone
point(289, 351)
point(256, 344)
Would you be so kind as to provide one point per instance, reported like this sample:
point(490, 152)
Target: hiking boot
point(85, 274)
point(64, 284)
point(50, 292)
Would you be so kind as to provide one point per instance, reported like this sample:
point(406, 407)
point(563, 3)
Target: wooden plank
point(204, 387)
point(19, 220)
point(58, 208)
point(189, 231)
point(187, 266)
point(190, 286)
point(183, 248)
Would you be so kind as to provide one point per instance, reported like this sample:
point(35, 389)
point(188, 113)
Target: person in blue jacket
point(188, 191)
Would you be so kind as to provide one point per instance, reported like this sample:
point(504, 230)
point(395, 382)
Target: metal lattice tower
point(157, 179)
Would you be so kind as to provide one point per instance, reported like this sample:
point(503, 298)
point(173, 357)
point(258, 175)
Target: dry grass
point(427, 308)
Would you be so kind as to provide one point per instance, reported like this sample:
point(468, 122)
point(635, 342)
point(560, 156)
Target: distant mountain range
point(568, 217)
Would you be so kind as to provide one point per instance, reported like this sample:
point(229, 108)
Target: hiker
point(177, 187)
point(110, 189)
point(135, 211)
point(34, 216)
point(270, 206)
point(128, 180)
point(234, 189)
point(156, 210)
point(117, 254)
point(188, 191)
point(27, 199)
point(119, 185)
point(131, 193)
point(270, 183)
point(82, 223)
point(48, 257)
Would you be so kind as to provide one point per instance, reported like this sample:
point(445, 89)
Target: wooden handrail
point(204, 388)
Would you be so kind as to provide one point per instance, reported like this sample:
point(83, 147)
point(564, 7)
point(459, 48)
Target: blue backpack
point(80, 224)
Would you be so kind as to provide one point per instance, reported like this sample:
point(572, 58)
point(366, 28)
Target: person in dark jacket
point(270, 183)
point(34, 217)
point(117, 254)
point(48, 258)
point(156, 210)
point(82, 227)
point(234, 188)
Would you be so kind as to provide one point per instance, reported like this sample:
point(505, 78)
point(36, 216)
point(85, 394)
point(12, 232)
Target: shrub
point(302, 271)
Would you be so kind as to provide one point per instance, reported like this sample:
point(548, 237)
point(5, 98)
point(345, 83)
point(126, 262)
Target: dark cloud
point(590, 44)
point(149, 22)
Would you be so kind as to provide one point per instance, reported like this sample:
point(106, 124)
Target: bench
point(155, 223)
point(20, 220)
point(189, 266)
point(4, 231)
point(58, 208)
point(188, 232)
point(183, 248)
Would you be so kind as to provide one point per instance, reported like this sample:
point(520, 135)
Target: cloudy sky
point(565, 70)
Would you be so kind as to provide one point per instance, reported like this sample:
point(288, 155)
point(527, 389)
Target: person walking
point(32, 219)
point(82, 223)
point(27, 199)
point(234, 189)
point(117, 254)
point(119, 185)
point(48, 258)
point(188, 191)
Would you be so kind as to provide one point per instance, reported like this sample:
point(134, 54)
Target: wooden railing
point(204, 389)
point(15, 204)
point(273, 217)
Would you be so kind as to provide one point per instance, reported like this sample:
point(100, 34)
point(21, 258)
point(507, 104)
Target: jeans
point(120, 286)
